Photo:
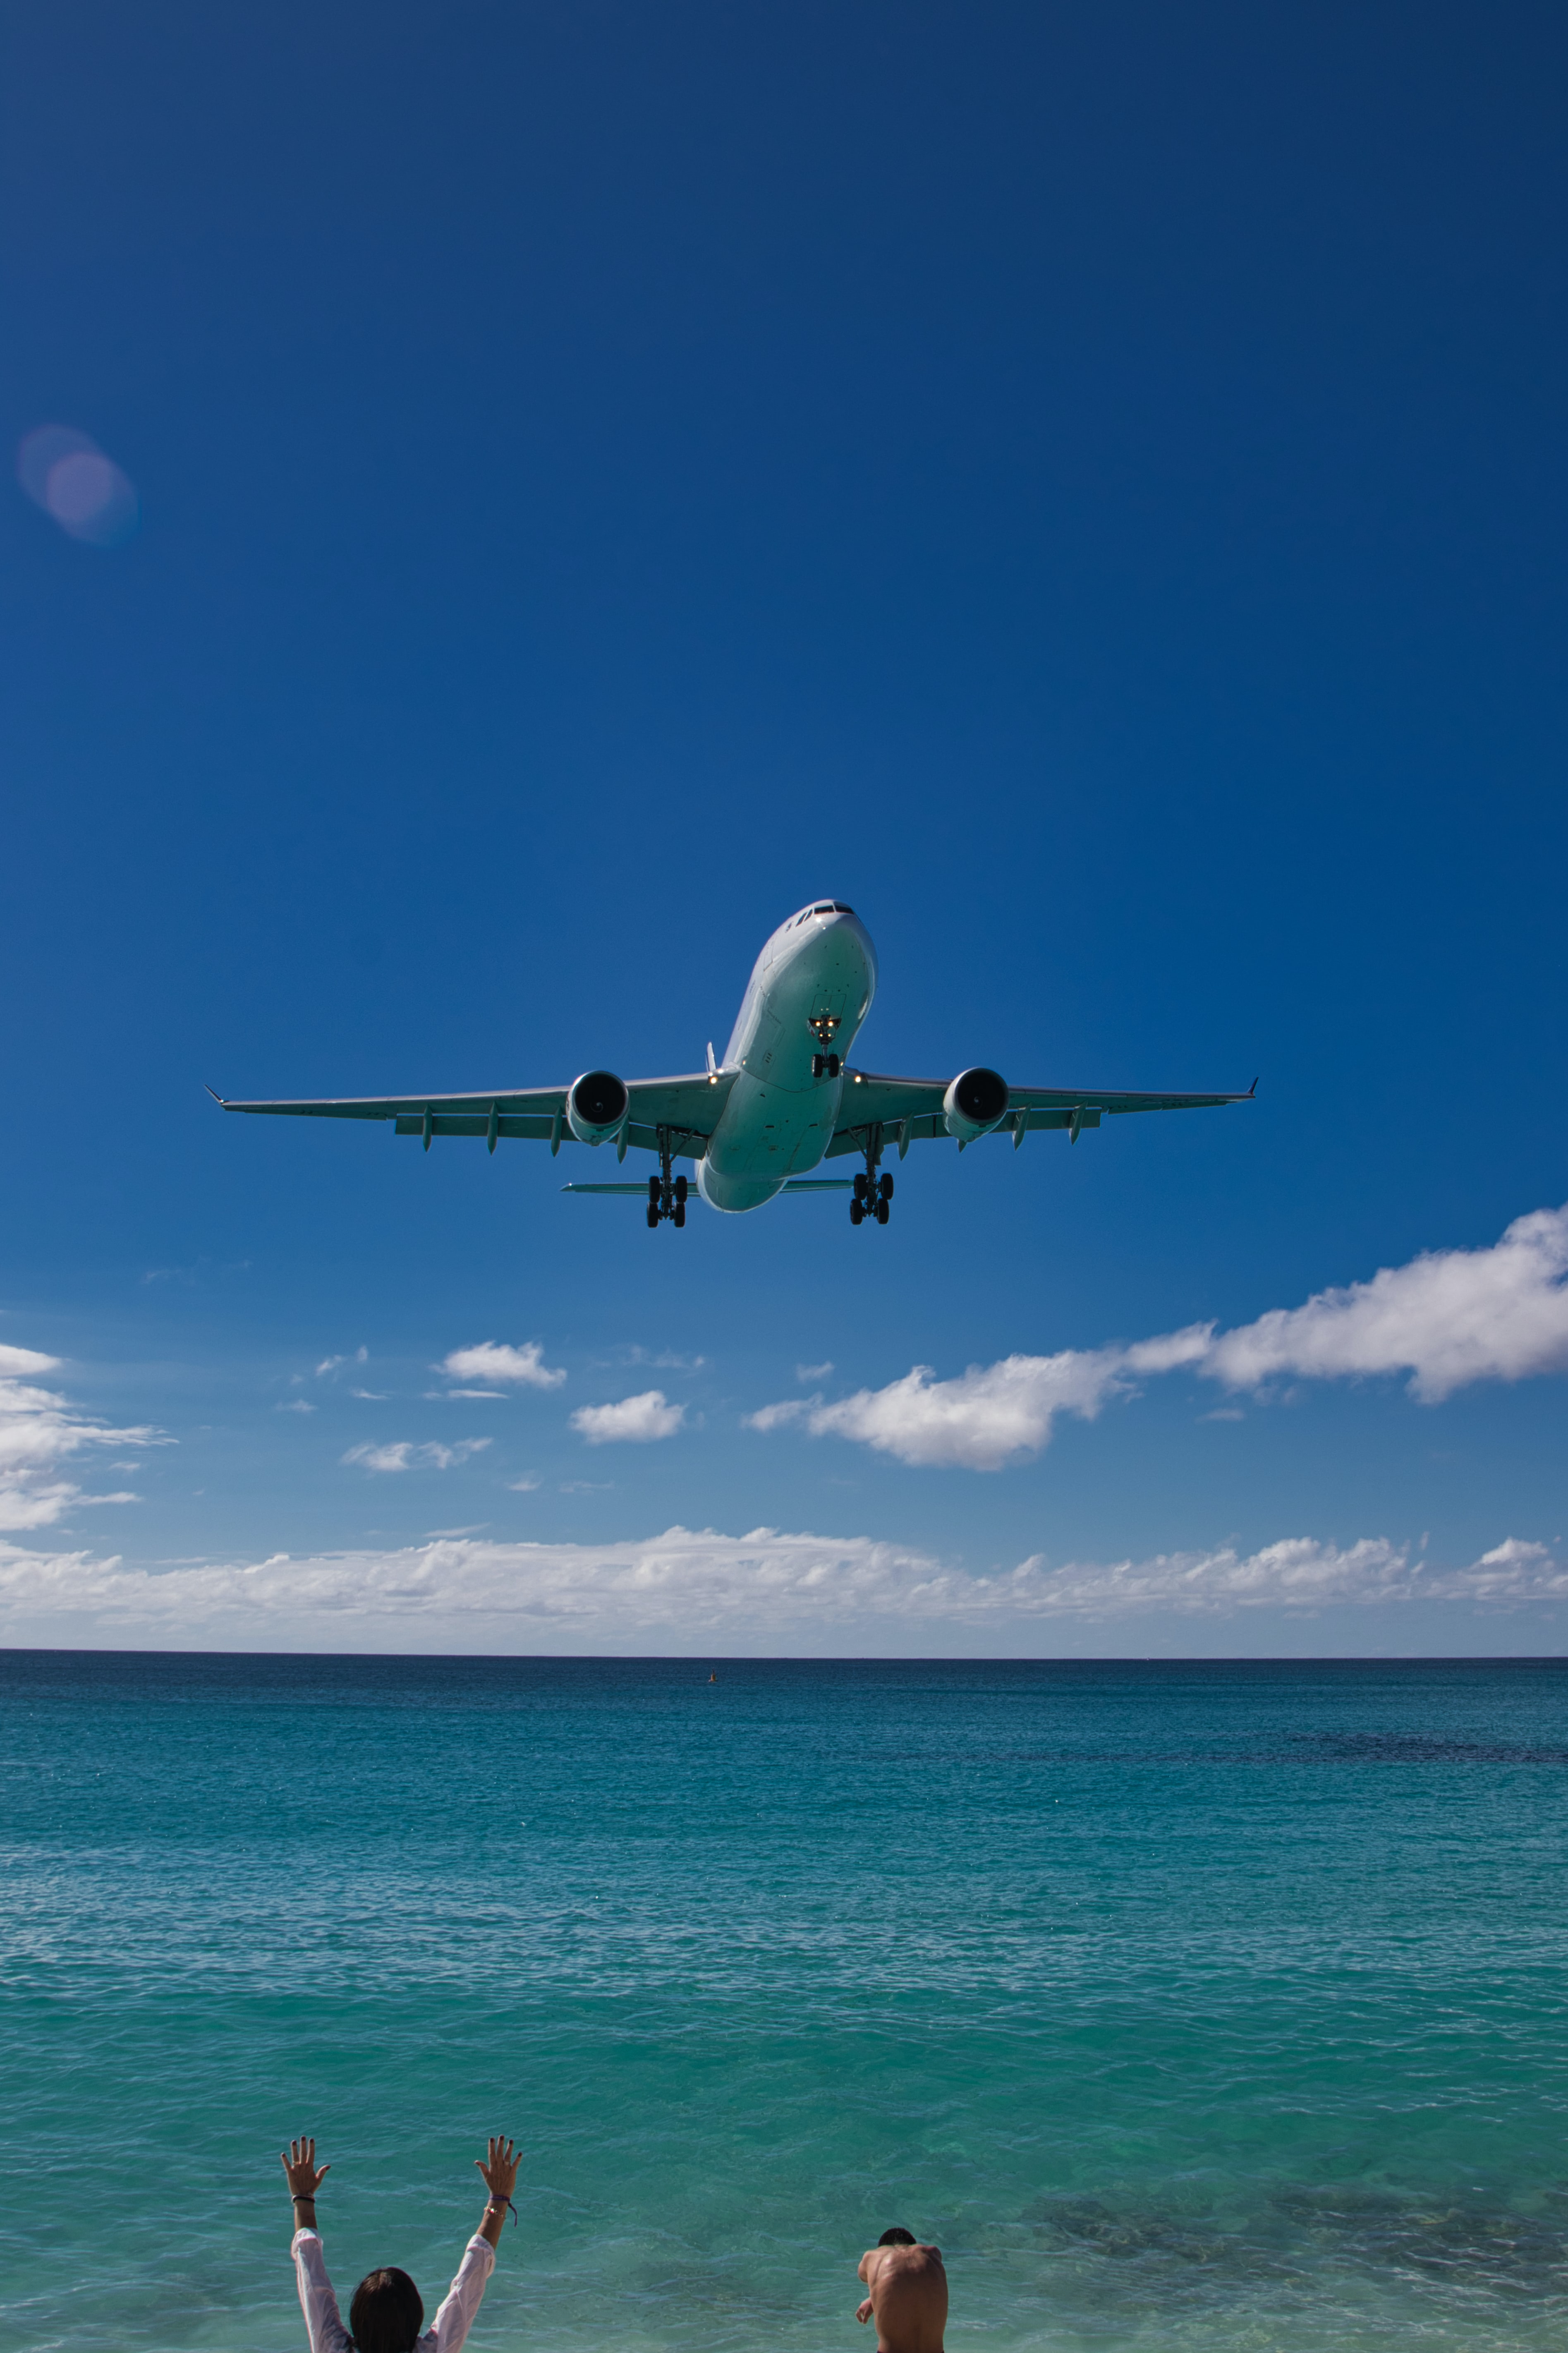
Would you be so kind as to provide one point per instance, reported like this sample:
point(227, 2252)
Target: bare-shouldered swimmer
point(908, 2294)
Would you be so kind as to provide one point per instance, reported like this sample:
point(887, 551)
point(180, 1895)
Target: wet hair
point(898, 2238)
point(386, 2315)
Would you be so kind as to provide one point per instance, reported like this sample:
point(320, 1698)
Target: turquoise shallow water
point(1210, 2006)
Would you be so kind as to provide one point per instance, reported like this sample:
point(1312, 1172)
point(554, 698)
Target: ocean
point(1215, 2006)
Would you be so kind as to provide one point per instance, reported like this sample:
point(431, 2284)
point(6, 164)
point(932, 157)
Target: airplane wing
point(909, 1110)
point(688, 1108)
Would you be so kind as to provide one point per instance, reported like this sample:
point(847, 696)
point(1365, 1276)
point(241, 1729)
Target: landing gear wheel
point(652, 1214)
point(834, 1066)
point(654, 1190)
point(680, 1192)
point(882, 1211)
point(817, 1062)
point(862, 1184)
point(857, 1210)
point(678, 1213)
point(886, 1185)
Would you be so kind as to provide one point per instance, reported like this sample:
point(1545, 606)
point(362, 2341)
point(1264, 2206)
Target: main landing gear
point(666, 1194)
point(870, 1198)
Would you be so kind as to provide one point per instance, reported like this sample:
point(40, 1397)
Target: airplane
point(784, 1099)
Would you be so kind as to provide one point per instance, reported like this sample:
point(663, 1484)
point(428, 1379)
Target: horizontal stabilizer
point(793, 1185)
point(641, 1191)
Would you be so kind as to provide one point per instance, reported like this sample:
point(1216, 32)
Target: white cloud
point(809, 1373)
point(295, 1405)
point(982, 1419)
point(633, 1420)
point(329, 1363)
point(403, 1454)
point(494, 1361)
point(40, 1430)
point(762, 1591)
point(1447, 1318)
point(780, 1416)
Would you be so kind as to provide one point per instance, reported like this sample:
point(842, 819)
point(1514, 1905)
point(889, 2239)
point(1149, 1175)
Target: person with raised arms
point(386, 2315)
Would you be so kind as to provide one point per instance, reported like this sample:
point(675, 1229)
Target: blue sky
point(1085, 487)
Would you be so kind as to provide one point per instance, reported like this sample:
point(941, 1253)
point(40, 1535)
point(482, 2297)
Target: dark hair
point(897, 2238)
point(387, 2313)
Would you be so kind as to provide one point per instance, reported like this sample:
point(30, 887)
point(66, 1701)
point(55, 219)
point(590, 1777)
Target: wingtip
point(217, 1098)
point(1252, 1090)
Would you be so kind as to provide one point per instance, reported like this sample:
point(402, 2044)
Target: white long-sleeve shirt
point(446, 2332)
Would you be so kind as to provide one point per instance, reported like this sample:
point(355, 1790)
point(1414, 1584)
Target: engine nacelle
point(975, 1104)
point(596, 1106)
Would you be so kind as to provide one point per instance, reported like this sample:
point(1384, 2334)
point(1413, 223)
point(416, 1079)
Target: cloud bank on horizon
point(1448, 1319)
point(704, 1589)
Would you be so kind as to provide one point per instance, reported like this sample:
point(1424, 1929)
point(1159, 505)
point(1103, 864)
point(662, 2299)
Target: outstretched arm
point(323, 2321)
point(305, 2177)
point(462, 2299)
point(499, 2171)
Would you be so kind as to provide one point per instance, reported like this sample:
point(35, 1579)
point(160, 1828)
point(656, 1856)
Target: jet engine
point(975, 1104)
point(596, 1106)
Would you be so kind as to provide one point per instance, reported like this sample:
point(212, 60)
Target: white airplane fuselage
point(809, 992)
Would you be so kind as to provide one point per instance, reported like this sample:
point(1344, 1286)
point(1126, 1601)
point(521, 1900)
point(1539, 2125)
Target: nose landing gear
point(824, 1027)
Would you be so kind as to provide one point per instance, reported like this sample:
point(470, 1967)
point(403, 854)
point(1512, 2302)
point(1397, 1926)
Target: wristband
point(499, 2205)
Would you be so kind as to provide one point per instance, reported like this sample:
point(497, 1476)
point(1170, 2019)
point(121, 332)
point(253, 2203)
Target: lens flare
point(67, 474)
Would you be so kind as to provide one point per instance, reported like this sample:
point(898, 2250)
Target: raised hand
point(500, 2169)
point(298, 2162)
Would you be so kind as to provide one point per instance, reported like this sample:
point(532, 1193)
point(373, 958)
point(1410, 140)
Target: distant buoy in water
point(712, 1679)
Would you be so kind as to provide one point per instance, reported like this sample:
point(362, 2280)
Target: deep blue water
point(1215, 2006)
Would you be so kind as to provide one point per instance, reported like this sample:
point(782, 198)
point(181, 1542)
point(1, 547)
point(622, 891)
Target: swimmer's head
point(897, 2238)
point(386, 2315)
